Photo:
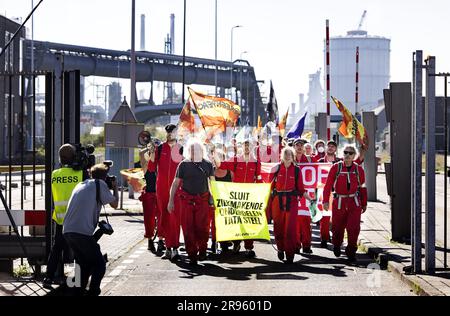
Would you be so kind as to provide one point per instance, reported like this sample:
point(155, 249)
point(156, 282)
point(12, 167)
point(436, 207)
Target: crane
point(362, 20)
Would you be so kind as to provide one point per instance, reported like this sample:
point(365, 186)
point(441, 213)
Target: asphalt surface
point(140, 272)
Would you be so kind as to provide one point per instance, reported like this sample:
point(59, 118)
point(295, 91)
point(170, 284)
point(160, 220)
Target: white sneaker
point(167, 254)
point(175, 255)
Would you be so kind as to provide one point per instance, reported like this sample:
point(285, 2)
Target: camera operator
point(81, 220)
point(64, 181)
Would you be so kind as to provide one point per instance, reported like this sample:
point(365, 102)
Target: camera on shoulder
point(84, 157)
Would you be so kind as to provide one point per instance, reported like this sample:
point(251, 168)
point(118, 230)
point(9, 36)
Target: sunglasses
point(349, 153)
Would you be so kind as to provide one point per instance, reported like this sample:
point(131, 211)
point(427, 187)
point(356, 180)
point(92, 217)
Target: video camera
point(109, 178)
point(145, 138)
point(84, 157)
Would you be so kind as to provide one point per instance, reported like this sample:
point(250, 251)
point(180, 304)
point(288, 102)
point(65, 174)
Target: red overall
point(304, 231)
point(167, 162)
point(347, 203)
point(151, 214)
point(244, 172)
point(194, 220)
point(150, 207)
point(326, 219)
point(285, 213)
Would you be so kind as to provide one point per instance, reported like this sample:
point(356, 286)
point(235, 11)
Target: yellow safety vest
point(64, 181)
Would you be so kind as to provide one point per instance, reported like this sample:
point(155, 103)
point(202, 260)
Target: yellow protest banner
point(240, 210)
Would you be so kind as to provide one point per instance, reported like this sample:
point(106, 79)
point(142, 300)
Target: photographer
point(81, 220)
point(64, 181)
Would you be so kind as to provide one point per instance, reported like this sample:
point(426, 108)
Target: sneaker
point(213, 247)
point(250, 253)
point(151, 246)
point(161, 246)
point(47, 283)
point(307, 250)
point(337, 251)
point(236, 247)
point(175, 256)
point(167, 254)
point(281, 255)
point(323, 244)
point(289, 260)
point(297, 251)
point(202, 256)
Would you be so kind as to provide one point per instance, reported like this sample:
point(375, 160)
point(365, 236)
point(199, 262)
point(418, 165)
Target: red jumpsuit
point(194, 220)
point(350, 197)
point(284, 212)
point(244, 172)
point(326, 219)
point(304, 217)
point(167, 160)
point(149, 203)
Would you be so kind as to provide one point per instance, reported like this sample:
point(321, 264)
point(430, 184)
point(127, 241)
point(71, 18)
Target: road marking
point(128, 261)
point(134, 256)
point(139, 252)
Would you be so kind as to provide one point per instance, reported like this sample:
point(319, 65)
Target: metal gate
point(33, 125)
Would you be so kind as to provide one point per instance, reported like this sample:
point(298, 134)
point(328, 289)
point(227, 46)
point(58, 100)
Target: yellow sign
point(240, 210)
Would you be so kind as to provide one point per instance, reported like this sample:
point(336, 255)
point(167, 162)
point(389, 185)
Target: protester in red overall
point(347, 180)
point(270, 153)
point(300, 156)
point(319, 145)
point(193, 174)
point(167, 158)
point(287, 189)
point(304, 233)
point(246, 169)
point(331, 157)
point(148, 195)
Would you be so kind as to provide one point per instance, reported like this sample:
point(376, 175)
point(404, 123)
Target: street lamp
point(240, 79)
point(231, 59)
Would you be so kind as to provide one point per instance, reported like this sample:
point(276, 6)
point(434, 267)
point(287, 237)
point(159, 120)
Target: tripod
point(13, 224)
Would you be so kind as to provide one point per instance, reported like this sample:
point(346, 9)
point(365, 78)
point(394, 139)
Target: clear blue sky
point(284, 38)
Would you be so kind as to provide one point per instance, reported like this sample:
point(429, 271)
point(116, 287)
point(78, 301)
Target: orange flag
point(282, 124)
point(186, 123)
point(350, 126)
point(216, 114)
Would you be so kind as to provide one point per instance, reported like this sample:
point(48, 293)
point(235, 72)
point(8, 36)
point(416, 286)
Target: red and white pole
point(357, 82)
point(327, 74)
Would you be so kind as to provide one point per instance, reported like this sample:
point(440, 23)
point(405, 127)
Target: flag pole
point(357, 83)
point(327, 74)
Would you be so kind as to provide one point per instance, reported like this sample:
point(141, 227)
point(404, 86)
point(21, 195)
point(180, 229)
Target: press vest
point(64, 181)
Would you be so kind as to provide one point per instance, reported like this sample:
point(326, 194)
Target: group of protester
point(177, 193)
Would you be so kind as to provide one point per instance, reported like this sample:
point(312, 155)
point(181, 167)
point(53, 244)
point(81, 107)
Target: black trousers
point(56, 254)
point(88, 255)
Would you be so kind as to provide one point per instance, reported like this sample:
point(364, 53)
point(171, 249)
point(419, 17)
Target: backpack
point(340, 166)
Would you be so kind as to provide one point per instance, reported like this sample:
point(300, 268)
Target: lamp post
point(184, 52)
point(215, 51)
point(240, 79)
point(231, 60)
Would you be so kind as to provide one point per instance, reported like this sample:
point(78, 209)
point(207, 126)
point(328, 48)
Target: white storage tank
point(374, 69)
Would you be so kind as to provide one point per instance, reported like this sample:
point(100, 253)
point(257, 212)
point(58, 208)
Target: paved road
point(143, 273)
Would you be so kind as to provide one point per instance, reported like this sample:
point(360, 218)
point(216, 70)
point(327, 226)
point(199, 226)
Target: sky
point(283, 38)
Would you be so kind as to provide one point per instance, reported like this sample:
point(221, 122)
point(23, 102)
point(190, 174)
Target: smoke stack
point(142, 31)
point(292, 108)
point(172, 34)
point(302, 100)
